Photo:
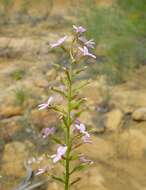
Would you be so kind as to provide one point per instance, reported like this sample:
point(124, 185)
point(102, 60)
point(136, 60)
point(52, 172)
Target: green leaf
point(57, 66)
point(79, 167)
point(58, 91)
point(78, 103)
point(57, 140)
point(63, 81)
point(74, 96)
point(58, 109)
point(78, 71)
point(79, 113)
point(74, 157)
point(58, 179)
point(82, 85)
point(78, 145)
point(68, 75)
point(65, 121)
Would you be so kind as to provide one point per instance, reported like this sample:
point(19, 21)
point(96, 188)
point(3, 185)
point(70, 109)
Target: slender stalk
point(68, 136)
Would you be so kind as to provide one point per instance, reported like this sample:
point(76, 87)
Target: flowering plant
point(75, 131)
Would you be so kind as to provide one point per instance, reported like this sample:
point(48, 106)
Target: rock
point(87, 117)
point(90, 180)
point(139, 114)
point(132, 144)
point(9, 127)
point(14, 155)
point(95, 177)
point(92, 187)
point(114, 119)
point(95, 87)
point(10, 111)
point(43, 118)
point(128, 100)
point(101, 149)
point(54, 186)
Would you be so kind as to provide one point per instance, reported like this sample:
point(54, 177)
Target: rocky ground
point(117, 114)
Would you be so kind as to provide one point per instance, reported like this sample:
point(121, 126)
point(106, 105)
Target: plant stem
point(68, 137)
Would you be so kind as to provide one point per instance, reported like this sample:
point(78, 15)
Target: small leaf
point(78, 71)
point(58, 66)
point(74, 157)
point(58, 91)
point(75, 181)
point(79, 167)
point(58, 109)
point(82, 85)
point(79, 113)
point(57, 140)
point(78, 103)
point(74, 96)
point(63, 81)
point(65, 121)
point(77, 145)
point(68, 75)
point(58, 179)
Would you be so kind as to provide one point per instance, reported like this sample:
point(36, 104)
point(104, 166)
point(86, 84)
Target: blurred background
point(116, 94)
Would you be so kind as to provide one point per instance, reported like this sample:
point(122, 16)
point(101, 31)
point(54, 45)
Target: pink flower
point(82, 129)
point(88, 43)
point(48, 131)
point(79, 29)
point(86, 138)
point(85, 52)
point(59, 42)
point(60, 153)
point(47, 104)
point(83, 159)
point(42, 170)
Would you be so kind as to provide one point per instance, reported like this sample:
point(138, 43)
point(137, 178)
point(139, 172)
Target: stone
point(128, 100)
point(10, 111)
point(43, 118)
point(95, 177)
point(14, 155)
point(139, 114)
point(132, 144)
point(9, 127)
point(113, 120)
point(101, 148)
point(54, 186)
point(88, 90)
point(90, 179)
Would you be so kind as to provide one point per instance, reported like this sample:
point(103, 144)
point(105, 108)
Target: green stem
point(68, 136)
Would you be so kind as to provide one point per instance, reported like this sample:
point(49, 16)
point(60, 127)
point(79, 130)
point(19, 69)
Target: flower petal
point(79, 29)
point(61, 150)
point(59, 42)
point(48, 131)
point(83, 159)
point(42, 106)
